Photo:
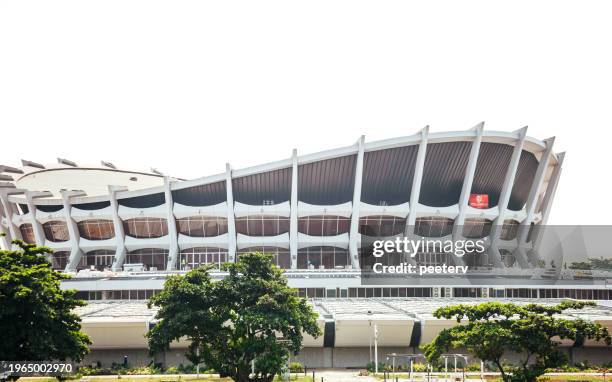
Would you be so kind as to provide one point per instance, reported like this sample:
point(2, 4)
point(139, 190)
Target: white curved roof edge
point(187, 242)
point(398, 210)
point(44, 217)
point(531, 144)
point(244, 241)
point(340, 241)
point(79, 215)
point(427, 211)
point(92, 245)
point(217, 210)
point(150, 212)
point(485, 213)
point(344, 209)
point(64, 246)
point(282, 209)
point(133, 244)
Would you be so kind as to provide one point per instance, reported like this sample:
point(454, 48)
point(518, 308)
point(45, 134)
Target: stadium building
point(121, 233)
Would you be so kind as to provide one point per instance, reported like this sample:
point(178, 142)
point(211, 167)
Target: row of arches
point(262, 225)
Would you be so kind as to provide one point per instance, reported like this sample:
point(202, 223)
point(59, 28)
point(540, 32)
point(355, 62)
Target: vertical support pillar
point(231, 221)
point(75, 252)
point(468, 180)
point(504, 197)
point(552, 188)
point(173, 250)
point(293, 222)
point(120, 250)
point(532, 199)
point(13, 231)
point(39, 234)
point(415, 192)
point(416, 182)
point(6, 240)
point(354, 229)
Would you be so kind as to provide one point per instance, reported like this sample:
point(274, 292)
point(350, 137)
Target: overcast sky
point(187, 86)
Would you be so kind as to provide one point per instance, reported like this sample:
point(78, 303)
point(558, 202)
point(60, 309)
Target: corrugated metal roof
point(525, 174)
point(270, 185)
point(443, 173)
point(493, 162)
point(204, 195)
point(144, 201)
point(388, 174)
point(327, 182)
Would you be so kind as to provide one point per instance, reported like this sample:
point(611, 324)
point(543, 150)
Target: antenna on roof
point(27, 163)
point(156, 171)
point(66, 162)
point(108, 164)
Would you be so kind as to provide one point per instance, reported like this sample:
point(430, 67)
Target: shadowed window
point(323, 225)
point(96, 229)
point(381, 226)
point(145, 227)
point(262, 225)
point(201, 226)
point(149, 257)
point(194, 257)
point(56, 231)
point(27, 233)
point(326, 257)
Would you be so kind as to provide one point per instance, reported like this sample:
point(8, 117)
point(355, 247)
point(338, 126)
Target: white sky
point(187, 86)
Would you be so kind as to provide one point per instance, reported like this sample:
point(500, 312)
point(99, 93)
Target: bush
point(296, 367)
point(419, 367)
point(473, 367)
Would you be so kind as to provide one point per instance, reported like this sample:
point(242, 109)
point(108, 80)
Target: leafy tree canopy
point(36, 318)
point(492, 329)
point(251, 315)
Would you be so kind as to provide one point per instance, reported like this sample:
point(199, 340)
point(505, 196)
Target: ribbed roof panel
point(388, 174)
point(327, 182)
point(144, 201)
point(525, 175)
point(204, 195)
point(443, 173)
point(493, 162)
point(271, 186)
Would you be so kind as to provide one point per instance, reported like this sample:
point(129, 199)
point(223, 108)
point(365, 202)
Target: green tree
point(533, 331)
point(250, 316)
point(36, 317)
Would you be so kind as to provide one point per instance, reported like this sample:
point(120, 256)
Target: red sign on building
point(479, 200)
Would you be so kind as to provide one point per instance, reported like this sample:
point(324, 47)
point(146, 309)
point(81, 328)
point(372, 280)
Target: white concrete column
point(532, 200)
point(39, 233)
point(416, 181)
point(75, 253)
point(548, 197)
point(120, 251)
point(231, 221)
point(552, 188)
point(504, 197)
point(293, 227)
point(173, 249)
point(354, 230)
point(13, 231)
point(468, 180)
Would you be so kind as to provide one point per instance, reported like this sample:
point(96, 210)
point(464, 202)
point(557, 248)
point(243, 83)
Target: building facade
point(311, 212)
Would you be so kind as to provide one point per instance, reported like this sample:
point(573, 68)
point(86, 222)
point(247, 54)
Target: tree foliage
point(250, 315)
point(36, 318)
point(491, 330)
